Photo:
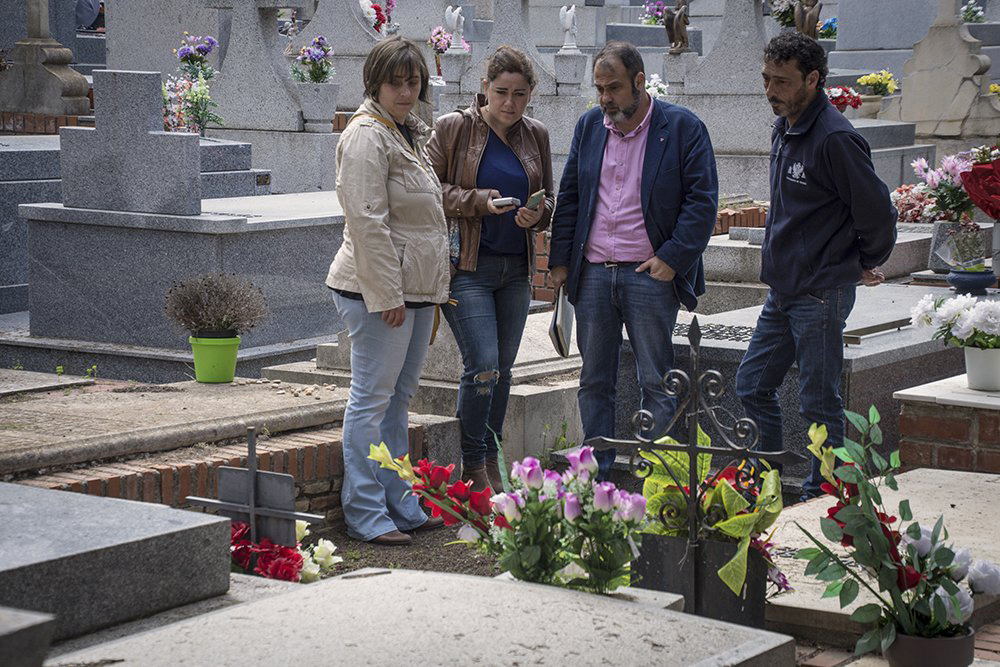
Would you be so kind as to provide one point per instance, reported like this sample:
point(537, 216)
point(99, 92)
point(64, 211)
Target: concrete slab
point(659, 599)
point(24, 637)
point(94, 562)
point(42, 431)
point(243, 588)
point(950, 391)
point(965, 499)
point(542, 625)
point(17, 382)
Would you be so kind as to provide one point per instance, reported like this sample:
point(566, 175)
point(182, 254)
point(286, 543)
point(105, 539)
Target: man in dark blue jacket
point(831, 224)
point(636, 207)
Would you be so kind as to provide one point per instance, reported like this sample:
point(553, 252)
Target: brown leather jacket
point(455, 149)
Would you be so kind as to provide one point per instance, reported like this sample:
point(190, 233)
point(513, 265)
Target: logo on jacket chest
point(796, 173)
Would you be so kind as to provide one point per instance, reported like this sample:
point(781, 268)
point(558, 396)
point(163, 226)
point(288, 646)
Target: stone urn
point(870, 105)
point(318, 102)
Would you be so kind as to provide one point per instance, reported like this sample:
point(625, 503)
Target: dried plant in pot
point(216, 309)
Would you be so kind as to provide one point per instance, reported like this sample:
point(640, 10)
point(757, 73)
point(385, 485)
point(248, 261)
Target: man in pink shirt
point(636, 207)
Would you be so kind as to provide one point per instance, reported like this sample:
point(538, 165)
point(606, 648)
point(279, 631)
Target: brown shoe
point(431, 523)
point(392, 539)
point(476, 475)
point(493, 472)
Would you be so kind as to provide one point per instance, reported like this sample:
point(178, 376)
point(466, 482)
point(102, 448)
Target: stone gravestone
point(347, 29)
point(62, 22)
point(39, 79)
point(946, 88)
point(141, 167)
point(141, 35)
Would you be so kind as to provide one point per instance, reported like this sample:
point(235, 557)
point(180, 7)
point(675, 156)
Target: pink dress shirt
point(618, 232)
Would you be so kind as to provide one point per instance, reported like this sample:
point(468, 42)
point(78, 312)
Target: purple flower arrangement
point(193, 56)
point(652, 12)
point(440, 41)
point(314, 64)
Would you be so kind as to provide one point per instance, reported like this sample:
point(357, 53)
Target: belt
point(613, 265)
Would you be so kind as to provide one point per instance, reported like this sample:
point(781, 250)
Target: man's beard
point(622, 115)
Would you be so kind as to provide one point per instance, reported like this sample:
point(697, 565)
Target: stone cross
point(253, 89)
point(127, 162)
point(39, 79)
point(733, 65)
point(511, 26)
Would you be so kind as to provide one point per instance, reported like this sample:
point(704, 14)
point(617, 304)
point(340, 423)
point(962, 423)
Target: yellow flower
point(400, 466)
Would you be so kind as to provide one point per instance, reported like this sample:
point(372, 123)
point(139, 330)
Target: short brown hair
point(510, 59)
point(387, 58)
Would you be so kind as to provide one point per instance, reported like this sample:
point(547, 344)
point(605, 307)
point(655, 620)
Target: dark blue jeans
point(487, 321)
point(808, 330)
point(610, 296)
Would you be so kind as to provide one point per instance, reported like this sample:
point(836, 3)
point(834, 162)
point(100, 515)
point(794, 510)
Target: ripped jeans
point(487, 321)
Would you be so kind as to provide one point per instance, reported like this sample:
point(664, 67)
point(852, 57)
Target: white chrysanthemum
point(986, 317)
point(949, 311)
point(984, 577)
point(964, 325)
point(924, 314)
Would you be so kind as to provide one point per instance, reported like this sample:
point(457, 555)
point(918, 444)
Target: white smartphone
point(506, 201)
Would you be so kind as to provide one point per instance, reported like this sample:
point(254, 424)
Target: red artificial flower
point(241, 551)
point(440, 475)
point(501, 521)
point(907, 577)
point(982, 183)
point(846, 540)
point(479, 502)
point(423, 469)
point(379, 17)
point(830, 489)
point(238, 531)
point(459, 491)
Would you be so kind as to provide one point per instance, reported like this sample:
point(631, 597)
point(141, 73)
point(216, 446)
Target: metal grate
point(718, 332)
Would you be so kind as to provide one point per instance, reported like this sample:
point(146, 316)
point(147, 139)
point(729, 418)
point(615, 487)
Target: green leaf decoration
point(739, 526)
point(734, 573)
point(849, 474)
point(894, 460)
point(849, 592)
point(868, 613)
point(678, 462)
point(943, 556)
point(873, 416)
point(676, 501)
point(875, 435)
point(732, 501)
point(938, 526)
point(856, 451)
point(857, 421)
point(888, 636)
point(808, 553)
point(830, 529)
point(817, 564)
point(833, 589)
point(904, 510)
point(832, 572)
point(879, 461)
point(868, 642)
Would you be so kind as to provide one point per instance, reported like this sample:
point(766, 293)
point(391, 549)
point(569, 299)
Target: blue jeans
point(385, 371)
point(487, 321)
point(609, 296)
point(807, 329)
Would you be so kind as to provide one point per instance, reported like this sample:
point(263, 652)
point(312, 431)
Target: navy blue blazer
point(680, 195)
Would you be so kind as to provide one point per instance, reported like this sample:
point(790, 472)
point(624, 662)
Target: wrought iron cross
point(265, 500)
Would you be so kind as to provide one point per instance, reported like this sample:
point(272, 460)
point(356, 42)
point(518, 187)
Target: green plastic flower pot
point(214, 358)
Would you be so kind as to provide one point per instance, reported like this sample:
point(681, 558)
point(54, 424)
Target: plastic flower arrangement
point(274, 561)
point(973, 13)
point(657, 87)
point(440, 41)
point(652, 12)
point(913, 574)
point(843, 97)
point(995, 88)
point(174, 90)
point(828, 28)
point(982, 180)
point(314, 62)
point(734, 507)
point(880, 83)
point(962, 321)
point(945, 184)
point(193, 56)
point(566, 530)
point(914, 203)
point(197, 107)
point(374, 13)
point(783, 11)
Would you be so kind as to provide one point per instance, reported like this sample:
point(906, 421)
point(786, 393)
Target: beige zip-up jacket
point(395, 245)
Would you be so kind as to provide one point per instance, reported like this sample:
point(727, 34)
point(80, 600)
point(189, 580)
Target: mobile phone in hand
point(535, 199)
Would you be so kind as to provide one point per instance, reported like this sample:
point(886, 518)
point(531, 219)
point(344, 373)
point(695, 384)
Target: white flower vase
point(982, 368)
point(318, 102)
point(870, 105)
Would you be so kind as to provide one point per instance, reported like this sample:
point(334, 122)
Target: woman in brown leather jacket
point(487, 152)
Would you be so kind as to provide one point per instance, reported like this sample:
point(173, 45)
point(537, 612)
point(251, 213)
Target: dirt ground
point(428, 551)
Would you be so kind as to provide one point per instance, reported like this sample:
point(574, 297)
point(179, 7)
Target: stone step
point(885, 133)
point(649, 35)
point(24, 637)
point(336, 615)
point(93, 562)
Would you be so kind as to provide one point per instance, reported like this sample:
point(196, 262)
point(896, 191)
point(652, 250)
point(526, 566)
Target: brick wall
point(749, 216)
point(949, 437)
point(34, 123)
point(314, 458)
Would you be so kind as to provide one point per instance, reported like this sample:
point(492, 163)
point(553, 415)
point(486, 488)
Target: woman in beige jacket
point(389, 273)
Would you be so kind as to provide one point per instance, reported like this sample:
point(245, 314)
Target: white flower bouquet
point(963, 321)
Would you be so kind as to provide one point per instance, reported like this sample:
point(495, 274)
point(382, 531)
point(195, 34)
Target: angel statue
point(676, 21)
point(456, 23)
point(567, 18)
point(807, 17)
